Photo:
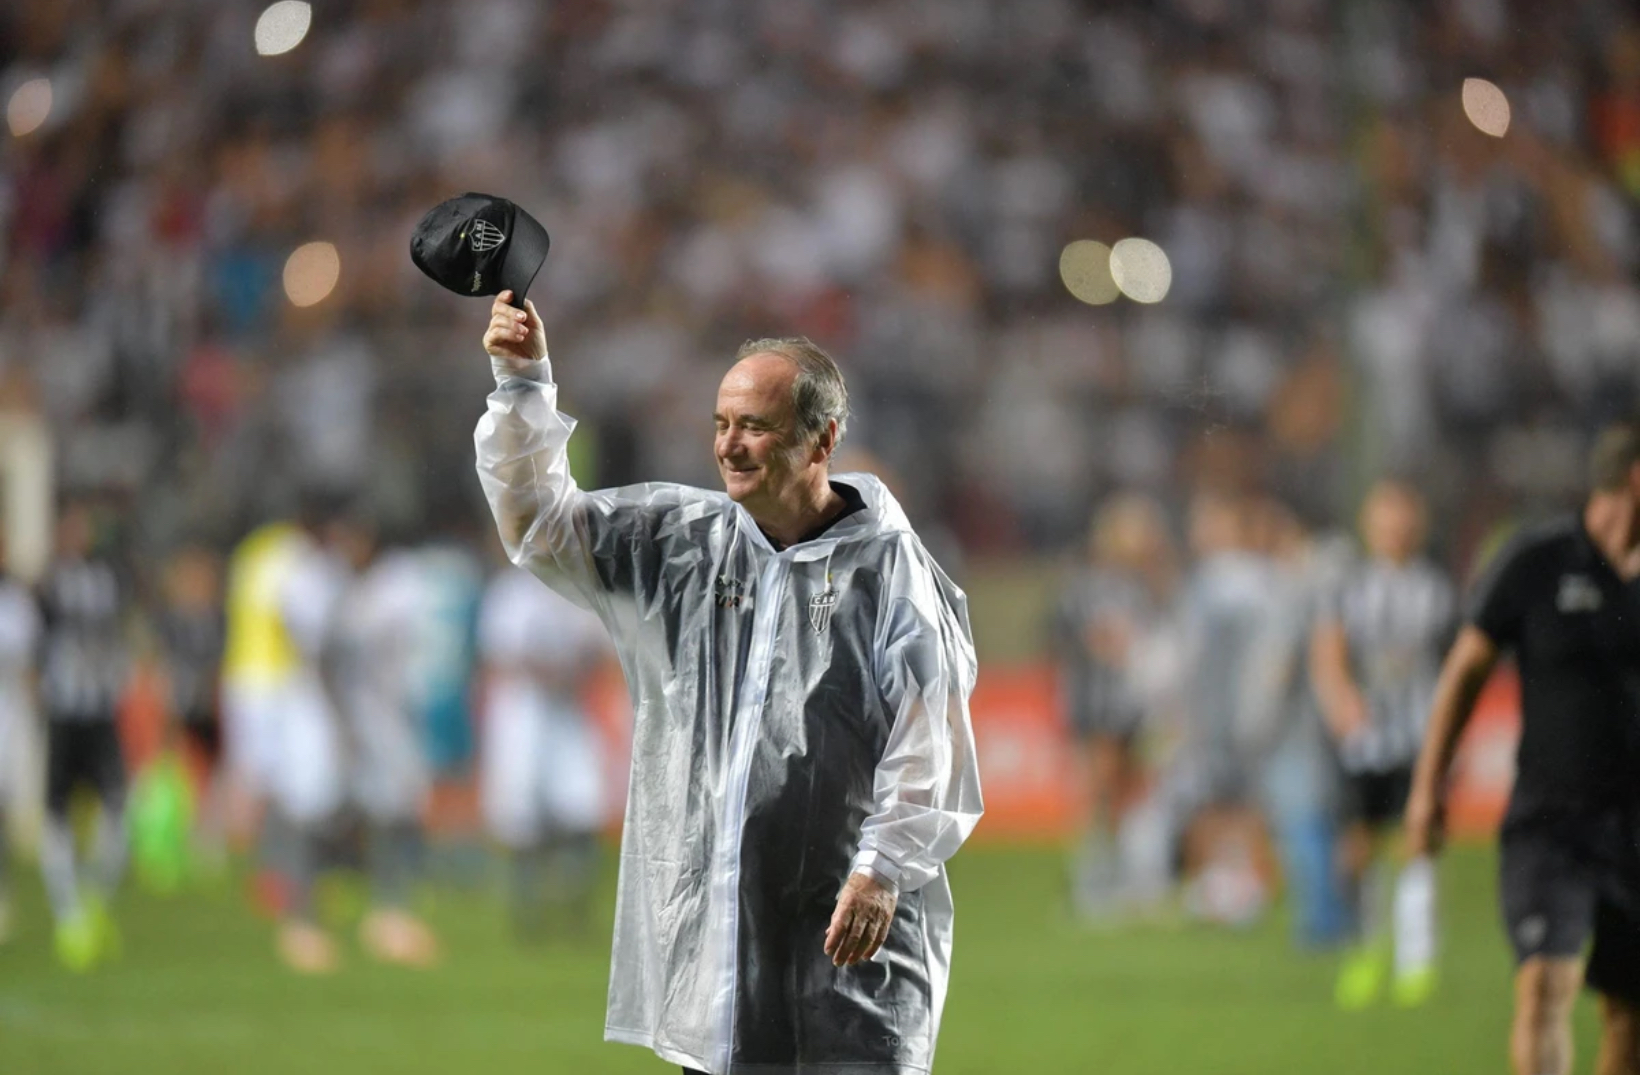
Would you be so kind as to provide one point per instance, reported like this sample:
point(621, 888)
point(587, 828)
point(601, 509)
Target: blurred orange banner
point(1027, 756)
point(1026, 765)
point(1484, 769)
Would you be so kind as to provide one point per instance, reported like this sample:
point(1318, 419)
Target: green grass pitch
point(197, 991)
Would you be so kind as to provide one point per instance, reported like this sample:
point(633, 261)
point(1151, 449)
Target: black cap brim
point(526, 253)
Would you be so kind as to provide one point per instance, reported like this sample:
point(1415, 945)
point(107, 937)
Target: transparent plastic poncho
point(799, 715)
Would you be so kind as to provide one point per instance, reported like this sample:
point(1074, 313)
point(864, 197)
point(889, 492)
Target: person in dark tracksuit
point(1565, 600)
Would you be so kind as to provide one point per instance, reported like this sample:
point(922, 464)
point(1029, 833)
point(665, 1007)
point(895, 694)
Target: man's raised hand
point(513, 333)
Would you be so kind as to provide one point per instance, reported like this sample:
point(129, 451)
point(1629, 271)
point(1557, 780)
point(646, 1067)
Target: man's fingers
point(503, 327)
point(834, 932)
point(859, 928)
point(879, 937)
point(871, 936)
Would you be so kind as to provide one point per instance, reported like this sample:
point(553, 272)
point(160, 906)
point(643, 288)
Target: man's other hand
point(859, 926)
point(513, 333)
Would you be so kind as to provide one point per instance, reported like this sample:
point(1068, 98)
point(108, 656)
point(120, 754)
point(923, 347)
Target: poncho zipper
point(743, 742)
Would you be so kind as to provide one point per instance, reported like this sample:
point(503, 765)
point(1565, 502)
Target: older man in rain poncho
point(802, 759)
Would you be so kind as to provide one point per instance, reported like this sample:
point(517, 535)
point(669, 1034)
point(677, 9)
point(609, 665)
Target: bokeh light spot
point(1486, 106)
point(282, 26)
point(29, 107)
point(1084, 266)
point(1141, 269)
point(311, 273)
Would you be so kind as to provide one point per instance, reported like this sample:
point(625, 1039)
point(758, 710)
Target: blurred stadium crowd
point(1363, 282)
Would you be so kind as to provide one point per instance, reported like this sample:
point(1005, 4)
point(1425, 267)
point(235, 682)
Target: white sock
point(57, 863)
point(1415, 917)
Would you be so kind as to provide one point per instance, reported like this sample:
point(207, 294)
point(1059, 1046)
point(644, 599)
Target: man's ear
point(827, 442)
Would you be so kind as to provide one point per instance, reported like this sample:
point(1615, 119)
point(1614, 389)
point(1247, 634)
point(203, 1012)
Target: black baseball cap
point(479, 244)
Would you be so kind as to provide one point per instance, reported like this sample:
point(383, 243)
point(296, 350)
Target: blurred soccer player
point(306, 779)
point(1226, 603)
point(1375, 656)
point(259, 661)
point(373, 651)
point(1281, 728)
point(543, 788)
point(83, 670)
point(1108, 607)
point(1564, 599)
point(191, 633)
point(19, 640)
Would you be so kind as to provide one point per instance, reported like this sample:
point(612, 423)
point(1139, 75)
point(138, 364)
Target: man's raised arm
point(521, 443)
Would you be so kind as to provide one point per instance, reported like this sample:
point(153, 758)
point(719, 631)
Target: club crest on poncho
point(820, 609)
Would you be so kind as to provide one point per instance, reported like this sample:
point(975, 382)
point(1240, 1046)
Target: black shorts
point(1562, 883)
point(83, 752)
point(1105, 722)
point(1376, 799)
point(205, 734)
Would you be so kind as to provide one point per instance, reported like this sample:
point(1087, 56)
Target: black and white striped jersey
point(1398, 620)
point(83, 659)
point(1100, 695)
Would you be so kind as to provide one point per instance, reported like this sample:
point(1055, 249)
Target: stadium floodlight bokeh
point(311, 273)
point(1084, 266)
point(1141, 270)
point(1486, 106)
point(282, 26)
point(29, 107)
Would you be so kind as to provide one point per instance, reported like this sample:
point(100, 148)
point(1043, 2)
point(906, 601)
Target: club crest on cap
point(486, 236)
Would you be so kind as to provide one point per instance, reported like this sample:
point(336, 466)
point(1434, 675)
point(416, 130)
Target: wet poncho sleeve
point(584, 544)
point(926, 787)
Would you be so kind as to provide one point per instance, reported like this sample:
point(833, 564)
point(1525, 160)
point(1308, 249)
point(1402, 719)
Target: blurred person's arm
point(1342, 706)
point(1496, 618)
point(1463, 675)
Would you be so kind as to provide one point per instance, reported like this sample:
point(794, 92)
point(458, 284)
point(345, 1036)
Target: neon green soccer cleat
point(1361, 978)
point(109, 943)
point(76, 943)
point(1413, 988)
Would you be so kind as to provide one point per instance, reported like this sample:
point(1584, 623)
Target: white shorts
point(251, 713)
point(306, 781)
point(389, 766)
point(542, 772)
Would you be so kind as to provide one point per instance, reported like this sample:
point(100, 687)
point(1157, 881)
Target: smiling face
point(759, 453)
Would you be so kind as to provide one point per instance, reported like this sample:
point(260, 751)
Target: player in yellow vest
point(259, 657)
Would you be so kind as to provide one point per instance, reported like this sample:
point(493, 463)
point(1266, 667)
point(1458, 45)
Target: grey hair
point(819, 395)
